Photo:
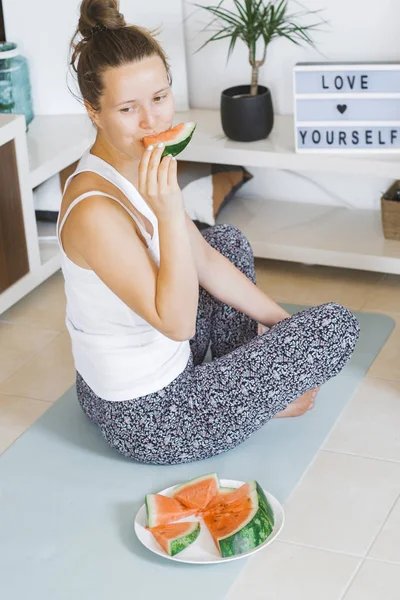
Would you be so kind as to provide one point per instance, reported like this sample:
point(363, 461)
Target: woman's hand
point(158, 183)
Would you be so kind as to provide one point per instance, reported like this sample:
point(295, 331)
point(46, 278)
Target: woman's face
point(137, 101)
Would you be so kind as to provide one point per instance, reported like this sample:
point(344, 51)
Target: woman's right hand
point(158, 183)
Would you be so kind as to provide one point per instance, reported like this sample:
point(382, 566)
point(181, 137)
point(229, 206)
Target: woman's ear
point(93, 114)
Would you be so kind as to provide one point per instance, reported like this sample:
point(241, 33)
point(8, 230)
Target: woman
point(147, 293)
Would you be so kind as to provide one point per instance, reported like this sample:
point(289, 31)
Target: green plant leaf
point(255, 19)
point(222, 13)
point(219, 35)
point(281, 11)
point(242, 12)
point(234, 38)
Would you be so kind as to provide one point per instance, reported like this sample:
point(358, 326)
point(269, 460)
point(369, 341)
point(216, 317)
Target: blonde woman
point(147, 293)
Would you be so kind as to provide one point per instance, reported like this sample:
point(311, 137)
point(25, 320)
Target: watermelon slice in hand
point(175, 139)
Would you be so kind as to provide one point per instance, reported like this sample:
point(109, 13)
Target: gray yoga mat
point(68, 502)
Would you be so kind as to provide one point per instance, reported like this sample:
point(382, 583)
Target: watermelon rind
point(180, 543)
point(226, 490)
point(182, 486)
point(150, 510)
point(176, 146)
point(265, 505)
point(253, 531)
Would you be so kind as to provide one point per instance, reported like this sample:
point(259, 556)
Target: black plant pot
point(246, 118)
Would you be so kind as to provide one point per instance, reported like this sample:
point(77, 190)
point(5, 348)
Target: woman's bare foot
point(302, 404)
point(261, 329)
point(298, 407)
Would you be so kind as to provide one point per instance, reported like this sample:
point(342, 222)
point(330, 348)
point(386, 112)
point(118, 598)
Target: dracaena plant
point(255, 20)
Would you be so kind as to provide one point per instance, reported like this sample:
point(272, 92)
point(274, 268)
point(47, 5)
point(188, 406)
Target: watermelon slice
point(197, 492)
point(222, 500)
point(242, 525)
point(176, 537)
point(162, 509)
point(223, 492)
point(175, 139)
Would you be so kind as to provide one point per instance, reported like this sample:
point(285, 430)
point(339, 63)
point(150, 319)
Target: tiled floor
point(341, 540)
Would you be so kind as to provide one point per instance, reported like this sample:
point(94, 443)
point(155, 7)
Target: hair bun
point(100, 14)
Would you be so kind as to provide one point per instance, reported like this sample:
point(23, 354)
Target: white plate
point(203, 551)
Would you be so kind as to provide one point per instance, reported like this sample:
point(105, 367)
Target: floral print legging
point(214, 406)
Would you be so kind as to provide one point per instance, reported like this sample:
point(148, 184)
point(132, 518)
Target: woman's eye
point(128, 109)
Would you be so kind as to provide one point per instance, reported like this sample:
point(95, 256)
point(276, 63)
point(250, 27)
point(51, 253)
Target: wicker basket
point(390, 210)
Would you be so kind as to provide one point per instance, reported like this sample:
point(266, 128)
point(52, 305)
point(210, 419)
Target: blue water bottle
point(15, 86)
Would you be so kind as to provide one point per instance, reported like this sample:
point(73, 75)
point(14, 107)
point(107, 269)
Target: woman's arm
point(106, 237)
point(177, 287)
point(223, 280)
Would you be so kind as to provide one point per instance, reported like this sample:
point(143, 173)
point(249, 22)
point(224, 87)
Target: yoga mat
point(68, 502)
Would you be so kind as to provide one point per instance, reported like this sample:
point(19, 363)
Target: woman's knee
point(344, 319)
point(341, 330)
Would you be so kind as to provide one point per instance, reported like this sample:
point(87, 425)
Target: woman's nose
point(147, 119)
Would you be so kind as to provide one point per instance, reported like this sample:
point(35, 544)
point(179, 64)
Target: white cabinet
point(51, 144)
point(317, 234)
point(298, 232)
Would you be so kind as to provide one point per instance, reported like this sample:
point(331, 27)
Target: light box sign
point(347, 107)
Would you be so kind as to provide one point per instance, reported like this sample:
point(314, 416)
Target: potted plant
point(247, 110)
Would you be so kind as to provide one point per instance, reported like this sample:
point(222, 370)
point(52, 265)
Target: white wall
point(43, 30)
point(357, 30)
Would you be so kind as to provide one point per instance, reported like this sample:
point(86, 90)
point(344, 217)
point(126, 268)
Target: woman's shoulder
point(88, 181)
point(82, 216)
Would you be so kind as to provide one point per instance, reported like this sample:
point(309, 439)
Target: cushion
point(206, 188)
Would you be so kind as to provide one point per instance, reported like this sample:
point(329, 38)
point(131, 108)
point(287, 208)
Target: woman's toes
point(314, 394)
point(261, 329)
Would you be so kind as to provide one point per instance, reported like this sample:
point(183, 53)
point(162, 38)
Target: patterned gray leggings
point(212, 407)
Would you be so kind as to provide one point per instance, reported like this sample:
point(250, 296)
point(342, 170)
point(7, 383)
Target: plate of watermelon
point(207, 520)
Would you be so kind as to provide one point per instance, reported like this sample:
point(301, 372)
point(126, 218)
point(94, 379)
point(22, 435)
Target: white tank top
point(119, 354)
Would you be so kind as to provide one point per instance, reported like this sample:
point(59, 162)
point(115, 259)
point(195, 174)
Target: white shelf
point(316, 234)
point(46, 229)
point(209, 144)
point(49, 257)
point(48, 245)
point(278, 230)
point(55, 142)
point(292, 231)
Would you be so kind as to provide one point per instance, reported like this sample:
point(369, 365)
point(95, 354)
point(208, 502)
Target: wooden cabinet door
point(14, 262)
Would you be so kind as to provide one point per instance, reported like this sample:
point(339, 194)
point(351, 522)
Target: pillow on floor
point(206, 188)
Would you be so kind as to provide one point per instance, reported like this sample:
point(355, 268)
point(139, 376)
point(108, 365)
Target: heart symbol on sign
point(342, 108)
